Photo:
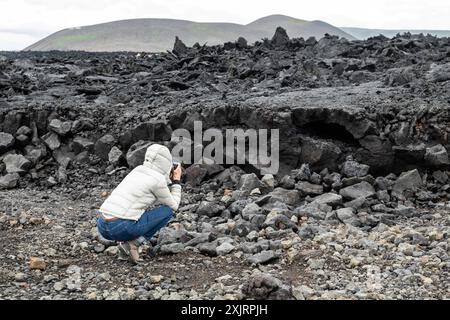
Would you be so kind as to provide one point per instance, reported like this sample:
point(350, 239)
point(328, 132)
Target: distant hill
point(295, 28)
point(155, 35)
point(363, 34)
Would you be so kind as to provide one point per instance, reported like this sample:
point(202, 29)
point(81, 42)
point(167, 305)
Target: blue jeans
point(126, 230)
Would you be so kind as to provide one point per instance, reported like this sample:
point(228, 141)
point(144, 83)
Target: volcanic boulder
point(410, 180)
point(23, 135)
point(263, 257)
point(179, 48)
point(16, 163)
point(24, 130)
point(307, 188)
point(437, 156)
point(6, 141)
point(241, 43)
point(195, 174)
point(136, 154)
point(249, 182)
point(263, 286)
point(304, 173)
point(288, 197)
point(104, 145)
point(155, 130)
point(61, 128)
point(83, 124)
point(209, 209)
point(352, 168)
point(80, 144)
point(331, 199)
point(359, 190)
point(320, 153)
point(345, 214)
point(9, 181)
point(35, 153)
point(280, 38)
point(52, 140)
point(116, 156)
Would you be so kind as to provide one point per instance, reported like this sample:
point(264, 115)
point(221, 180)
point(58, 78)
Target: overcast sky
point(23, 22)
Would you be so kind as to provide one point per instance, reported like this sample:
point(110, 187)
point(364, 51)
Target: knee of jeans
point(167, 210)
point(99, 223)
point(101, 230)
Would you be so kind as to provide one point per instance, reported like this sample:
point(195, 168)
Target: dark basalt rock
point(6, 141)
point(104, 145)
point(266, 287)
point(9, 181)
point(136, 154)
point(179, 48)
point(280, 38)
point(303, 88)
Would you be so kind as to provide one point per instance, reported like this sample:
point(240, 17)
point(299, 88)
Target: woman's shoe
point(129, 251)
point(151, 252)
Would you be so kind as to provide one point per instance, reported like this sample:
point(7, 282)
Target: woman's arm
point(169, 197)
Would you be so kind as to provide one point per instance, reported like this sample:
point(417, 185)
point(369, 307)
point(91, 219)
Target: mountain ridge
point(364, 33)
point(156, 34)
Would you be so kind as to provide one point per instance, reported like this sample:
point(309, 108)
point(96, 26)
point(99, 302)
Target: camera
point(174, 166)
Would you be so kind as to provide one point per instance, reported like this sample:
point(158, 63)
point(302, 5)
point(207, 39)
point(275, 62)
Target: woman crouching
point(124, 216)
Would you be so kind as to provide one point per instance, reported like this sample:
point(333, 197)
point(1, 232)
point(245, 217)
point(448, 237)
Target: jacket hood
point(159, 158)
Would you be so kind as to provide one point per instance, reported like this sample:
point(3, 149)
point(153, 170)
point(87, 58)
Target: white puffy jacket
point(143, 186)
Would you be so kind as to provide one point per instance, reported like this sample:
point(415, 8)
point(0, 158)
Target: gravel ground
point(408, 260)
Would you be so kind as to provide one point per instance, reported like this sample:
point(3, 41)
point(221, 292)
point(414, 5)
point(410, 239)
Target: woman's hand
point(176, 176)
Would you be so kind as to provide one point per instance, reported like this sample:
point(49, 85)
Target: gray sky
point(23, 22)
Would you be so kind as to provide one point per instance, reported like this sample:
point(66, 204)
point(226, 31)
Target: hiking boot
point(129, 251)
point(151, 252)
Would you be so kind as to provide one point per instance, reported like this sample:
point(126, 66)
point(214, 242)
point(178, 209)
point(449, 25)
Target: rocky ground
point(260, 253)
point(359, 210)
